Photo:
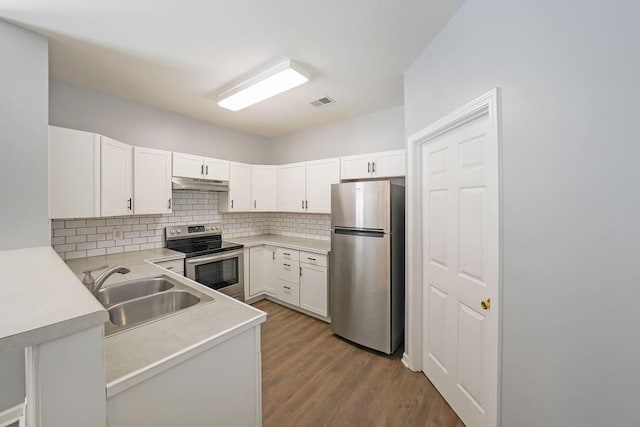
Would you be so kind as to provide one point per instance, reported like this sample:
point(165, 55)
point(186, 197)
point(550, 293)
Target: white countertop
point(136, 354)
point(298, 243)
point(41, 299)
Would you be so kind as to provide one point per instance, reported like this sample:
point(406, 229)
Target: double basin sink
point(137, 302)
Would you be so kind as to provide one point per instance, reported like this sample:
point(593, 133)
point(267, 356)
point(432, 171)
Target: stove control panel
point(182, 231)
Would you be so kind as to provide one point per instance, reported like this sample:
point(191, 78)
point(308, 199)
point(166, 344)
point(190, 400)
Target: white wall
point(569, 76)
point(82, 108)
point(23, 165)
point(379, 131)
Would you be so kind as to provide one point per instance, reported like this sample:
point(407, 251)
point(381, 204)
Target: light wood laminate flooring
point(310, 377)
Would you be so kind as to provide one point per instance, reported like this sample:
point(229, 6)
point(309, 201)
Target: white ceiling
point(179, 55)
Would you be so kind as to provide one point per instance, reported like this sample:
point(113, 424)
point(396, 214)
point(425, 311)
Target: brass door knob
point(486, 304)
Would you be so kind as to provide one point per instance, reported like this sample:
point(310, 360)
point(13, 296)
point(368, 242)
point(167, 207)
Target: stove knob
point(172, 231)
point(178, 231)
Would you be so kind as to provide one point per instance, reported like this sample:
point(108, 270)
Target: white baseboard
point(11, 415)
point(407, 363)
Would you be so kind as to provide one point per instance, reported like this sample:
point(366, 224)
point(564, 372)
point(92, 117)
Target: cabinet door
point(188, 165)
point(264, 184)
point(354, 167)
point(151, 181)
point(74, 173)
point(320, 175)
point(257, 271)
point(216, 169)
point(239, 187)
point(116, 175)
point(313, 289)
point(389, 164)
point(270, 281)
point(291, 187)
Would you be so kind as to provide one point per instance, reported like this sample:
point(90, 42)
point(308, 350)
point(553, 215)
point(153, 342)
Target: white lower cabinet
point(220, 386)
point(313, 288)
point(261, 270)
point(288, 292)
point(298, 278)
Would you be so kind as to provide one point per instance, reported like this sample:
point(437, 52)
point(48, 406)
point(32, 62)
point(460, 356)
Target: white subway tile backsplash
point(189, 207)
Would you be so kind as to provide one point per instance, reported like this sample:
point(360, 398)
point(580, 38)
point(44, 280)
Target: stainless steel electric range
point(209, 260)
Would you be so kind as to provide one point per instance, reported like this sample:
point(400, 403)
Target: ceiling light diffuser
point(271, 82)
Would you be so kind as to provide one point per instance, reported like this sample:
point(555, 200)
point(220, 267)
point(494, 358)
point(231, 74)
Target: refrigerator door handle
point(360, 232)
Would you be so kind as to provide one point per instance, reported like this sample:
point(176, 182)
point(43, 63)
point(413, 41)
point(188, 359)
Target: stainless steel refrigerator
point(367, 263)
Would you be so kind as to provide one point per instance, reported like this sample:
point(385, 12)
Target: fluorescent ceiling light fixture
point(271, 82)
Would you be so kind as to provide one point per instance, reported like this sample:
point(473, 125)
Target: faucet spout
point(104, 276)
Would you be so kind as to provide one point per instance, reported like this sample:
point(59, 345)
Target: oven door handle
point(198, 260)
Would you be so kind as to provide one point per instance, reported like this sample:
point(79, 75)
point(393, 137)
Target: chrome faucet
point(95, 285)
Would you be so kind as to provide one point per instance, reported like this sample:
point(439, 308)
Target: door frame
point(489, 103)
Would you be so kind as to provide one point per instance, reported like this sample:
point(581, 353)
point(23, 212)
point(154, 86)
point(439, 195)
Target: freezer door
point(360, 297)
point(361, 205)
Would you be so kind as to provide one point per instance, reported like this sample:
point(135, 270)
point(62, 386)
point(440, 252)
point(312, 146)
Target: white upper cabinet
point(238, 199)
point(320, 175)
point(116, 177)
point(389, 164)
point(191, 166)
point(292, 187)
point(264, 184)
point(188, 165)
point(374, 165)
point(151, 181)
point(74, 173)
point(216, 169)
point(354, 167)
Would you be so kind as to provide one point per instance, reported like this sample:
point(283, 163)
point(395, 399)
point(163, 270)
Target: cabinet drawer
point(177, 265)
point(288, 292)
point(287, 254)
point(313, 259)
point(288, 270)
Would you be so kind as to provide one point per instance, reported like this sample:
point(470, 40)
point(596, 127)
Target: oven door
point(222, 272)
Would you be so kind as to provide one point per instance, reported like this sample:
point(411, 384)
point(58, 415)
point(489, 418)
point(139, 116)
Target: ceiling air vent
point(322, 101)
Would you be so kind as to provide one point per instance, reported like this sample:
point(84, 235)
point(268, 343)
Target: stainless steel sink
point(142, 301)
point(134, 289)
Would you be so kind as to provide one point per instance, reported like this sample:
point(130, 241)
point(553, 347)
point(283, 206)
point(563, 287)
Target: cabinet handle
point(373, 167)
point(284, 253)
point(300, 271)
point(201, 169)
point(369, 167)
point(255, 205)
point(303, 204)
point(129, 204)
point(311, 259)
point(169, 268)
point(287, 265)
point(286, 287)
point(306, 204)
point(231, 203)
point(169, 203)
point(207, 170)
point(274, 256)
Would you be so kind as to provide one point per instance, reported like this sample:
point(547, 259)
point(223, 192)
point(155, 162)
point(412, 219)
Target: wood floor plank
point(311, 377)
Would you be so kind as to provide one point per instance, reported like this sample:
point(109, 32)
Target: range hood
point(181, 183)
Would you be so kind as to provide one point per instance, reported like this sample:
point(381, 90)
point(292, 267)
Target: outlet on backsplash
point(117, 233)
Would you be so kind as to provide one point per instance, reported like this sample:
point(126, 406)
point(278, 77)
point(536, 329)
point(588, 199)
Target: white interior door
point(460, 224)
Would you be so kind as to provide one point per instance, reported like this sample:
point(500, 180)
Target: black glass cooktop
point(198, 246)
